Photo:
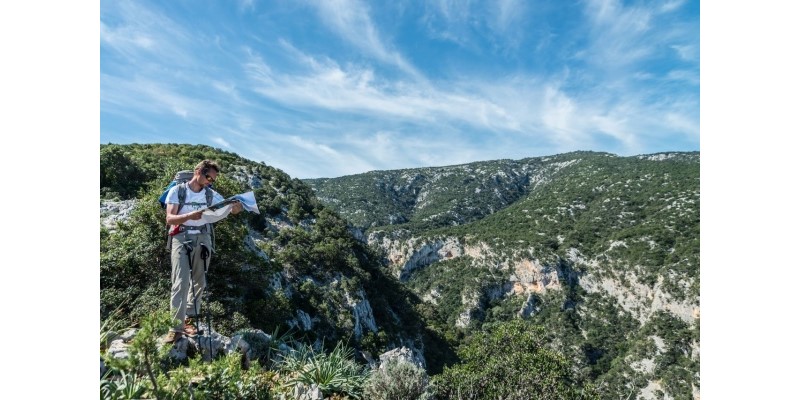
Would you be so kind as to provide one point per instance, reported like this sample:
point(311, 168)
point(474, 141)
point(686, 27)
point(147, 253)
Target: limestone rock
point(402, 354)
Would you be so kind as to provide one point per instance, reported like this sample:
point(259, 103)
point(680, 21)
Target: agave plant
point(123, 387)
point(334, 372)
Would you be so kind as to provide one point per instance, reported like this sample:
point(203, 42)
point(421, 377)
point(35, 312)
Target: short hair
point(205, 165)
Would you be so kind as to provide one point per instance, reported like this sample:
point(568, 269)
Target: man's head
point(206, 172)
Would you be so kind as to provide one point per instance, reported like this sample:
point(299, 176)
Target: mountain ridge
point(602, 251)
point(588, 234)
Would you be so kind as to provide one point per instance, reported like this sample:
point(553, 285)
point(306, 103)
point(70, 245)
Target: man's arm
point(174, 219)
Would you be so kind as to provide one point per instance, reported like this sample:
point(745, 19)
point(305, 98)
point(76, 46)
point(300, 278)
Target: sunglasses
point(210, 179)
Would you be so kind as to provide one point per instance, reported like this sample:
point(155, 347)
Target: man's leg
point(198, 274)
point(181, 280)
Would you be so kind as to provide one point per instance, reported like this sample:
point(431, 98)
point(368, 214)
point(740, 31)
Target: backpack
point(181, 177)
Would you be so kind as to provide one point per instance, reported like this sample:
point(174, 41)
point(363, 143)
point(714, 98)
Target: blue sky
point(338, 87)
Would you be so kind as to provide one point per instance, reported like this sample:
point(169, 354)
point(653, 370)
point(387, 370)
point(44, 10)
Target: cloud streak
point(351, 21)
point(270, 93)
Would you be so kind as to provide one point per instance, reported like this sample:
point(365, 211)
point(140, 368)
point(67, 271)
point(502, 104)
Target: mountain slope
point(426, 198)
point(294, 266)
point(601, 250)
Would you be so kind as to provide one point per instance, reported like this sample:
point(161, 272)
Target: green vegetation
point(631, 220)
point(334, 372)
point(510, 360)
point(398, 380)
point(315, 257)
point(426, 198)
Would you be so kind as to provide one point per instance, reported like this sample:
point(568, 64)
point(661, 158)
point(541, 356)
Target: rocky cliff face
point(636, 298)
point(520, 276)
point(523, 276)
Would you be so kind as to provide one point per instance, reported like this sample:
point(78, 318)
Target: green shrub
point(120, 385)
point(148, 372)
point(333, 373)
point(398, 380)
point(137, 374)
point(223, 379)
point(509, 361)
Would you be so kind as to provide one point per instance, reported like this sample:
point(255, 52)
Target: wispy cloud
point(247, 5)
point(521, 105)
point(148, 96)
point(467, 23)
point(617, 33)
point(688, 52)
point(357, 90)
point(669, 6)
point(271, 93)
point(220, 141)
point(143, 36)
point(350, 20)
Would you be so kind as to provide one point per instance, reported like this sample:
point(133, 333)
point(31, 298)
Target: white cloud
point(687, 52)
point(506, 20)
point(246, 5)
point(314, 115)
point(356, 89)
point(672, 5)
point(617, 34)
point(220, 141)
point(466, 23)
point(692, 77)
point(529, 106)
point(680, 122)
point(350, 20)
point(142, 35)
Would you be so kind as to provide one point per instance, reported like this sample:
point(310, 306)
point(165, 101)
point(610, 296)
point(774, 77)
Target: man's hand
point(237, 207)
point(195, 215)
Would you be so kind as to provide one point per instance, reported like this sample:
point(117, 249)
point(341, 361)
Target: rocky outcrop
point(530, 276)
point(471, 303)
point(524, 276)
point(408, 255)
point(209, 345)
point(528, 307)
point(301, 321)
point(527, 276)
point(114, 211)
point(362, 314)
point(636, 298)
point(402, 354)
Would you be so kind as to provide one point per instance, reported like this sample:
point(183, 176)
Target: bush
point(225, 378)
point(509, 361)
point(398, 380)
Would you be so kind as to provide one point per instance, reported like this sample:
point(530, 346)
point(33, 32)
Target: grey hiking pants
point(188, 282)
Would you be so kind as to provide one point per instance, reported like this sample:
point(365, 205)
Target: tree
point(119, 175)
point(510, 360)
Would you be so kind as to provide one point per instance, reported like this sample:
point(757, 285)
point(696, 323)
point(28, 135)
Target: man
point(191, 238)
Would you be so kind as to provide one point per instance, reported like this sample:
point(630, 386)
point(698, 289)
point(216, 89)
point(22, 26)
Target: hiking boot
point(189, 327)
point(173, 337)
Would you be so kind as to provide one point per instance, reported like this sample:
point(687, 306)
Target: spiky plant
point(333, 373)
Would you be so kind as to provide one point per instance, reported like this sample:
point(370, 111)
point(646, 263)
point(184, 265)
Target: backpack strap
point(181, 201)
point(181, 195)
point(209, 196)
